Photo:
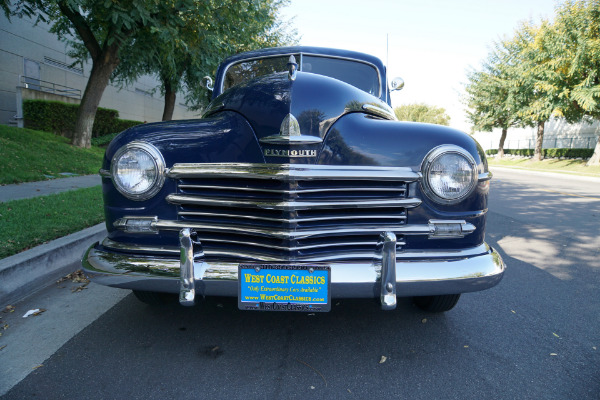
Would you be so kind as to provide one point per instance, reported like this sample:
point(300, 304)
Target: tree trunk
point(595, 160)
point(537, 156)
point(501, 144)
point(102, 69)
point(170, 96)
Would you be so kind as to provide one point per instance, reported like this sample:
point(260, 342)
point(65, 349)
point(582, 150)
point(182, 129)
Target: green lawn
point(27, 155)
point(30, 222)
point(577, 167)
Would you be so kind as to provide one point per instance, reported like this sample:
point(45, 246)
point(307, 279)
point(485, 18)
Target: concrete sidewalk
point(43, 188)
point(32, 270)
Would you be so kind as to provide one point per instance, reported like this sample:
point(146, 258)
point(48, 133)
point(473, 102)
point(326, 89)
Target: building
point(35, 64)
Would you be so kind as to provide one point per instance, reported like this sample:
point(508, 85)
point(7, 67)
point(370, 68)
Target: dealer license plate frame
point(275, 304)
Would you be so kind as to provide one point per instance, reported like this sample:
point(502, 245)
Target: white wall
point(557, 134)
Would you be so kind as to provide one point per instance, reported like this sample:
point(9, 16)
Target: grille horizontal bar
point(292, 234)
point(200, 214)
point(291, 191)
point(291, 205)
point(292, 172)
point(291, 248)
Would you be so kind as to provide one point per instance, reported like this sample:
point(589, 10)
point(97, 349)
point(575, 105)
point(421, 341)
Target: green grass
point(30, 222)
point(562, 166)
point(27, 155)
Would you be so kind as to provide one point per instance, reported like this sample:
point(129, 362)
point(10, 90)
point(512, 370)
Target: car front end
point(293, 189)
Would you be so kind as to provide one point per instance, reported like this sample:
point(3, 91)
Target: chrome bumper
point(402, 274)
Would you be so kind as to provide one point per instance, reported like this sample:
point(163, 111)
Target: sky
point(431, 44)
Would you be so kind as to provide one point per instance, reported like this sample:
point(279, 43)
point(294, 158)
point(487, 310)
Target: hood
point(307, 106)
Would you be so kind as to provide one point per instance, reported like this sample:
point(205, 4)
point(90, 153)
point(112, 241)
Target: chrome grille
point(282, 212)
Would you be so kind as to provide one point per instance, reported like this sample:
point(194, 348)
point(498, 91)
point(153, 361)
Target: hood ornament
point(292, 68)
point(289, 133)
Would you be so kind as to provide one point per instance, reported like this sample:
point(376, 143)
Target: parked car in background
point(297, 186)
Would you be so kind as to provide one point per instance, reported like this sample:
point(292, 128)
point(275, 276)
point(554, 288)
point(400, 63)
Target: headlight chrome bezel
point(428, 162)
point(159, 166)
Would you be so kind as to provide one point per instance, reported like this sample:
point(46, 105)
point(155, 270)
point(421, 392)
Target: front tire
point(441, 303)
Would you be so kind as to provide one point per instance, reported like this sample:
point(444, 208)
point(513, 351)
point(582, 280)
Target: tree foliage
point(551, 69)
point(577, 32)
point(422, 113)
point(99, 30)
point(210, 32)
point(169, 38)
point(491, 95)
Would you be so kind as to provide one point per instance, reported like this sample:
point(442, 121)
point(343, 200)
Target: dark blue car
point(298, 185)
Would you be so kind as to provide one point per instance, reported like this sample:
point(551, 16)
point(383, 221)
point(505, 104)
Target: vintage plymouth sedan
point(297, 186)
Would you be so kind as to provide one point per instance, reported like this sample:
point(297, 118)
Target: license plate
point(284, 287)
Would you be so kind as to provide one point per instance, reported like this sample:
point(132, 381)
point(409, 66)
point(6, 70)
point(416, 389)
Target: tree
point(422, 113)
point(210, 32)
point(558, 63)
point(490, 96)
point(543, 71)
point(102, 28)
point(577, 57)
point(535, 97)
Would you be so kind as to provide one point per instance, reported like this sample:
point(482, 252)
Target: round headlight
point(449, 174)
point(138, 170)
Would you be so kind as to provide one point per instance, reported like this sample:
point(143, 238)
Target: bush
point(122, 124)
point(103, 141)
point(59, 118)
point(104, 123)
point(549, 153)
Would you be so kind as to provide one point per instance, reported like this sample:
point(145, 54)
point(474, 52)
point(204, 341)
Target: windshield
point(358, 74)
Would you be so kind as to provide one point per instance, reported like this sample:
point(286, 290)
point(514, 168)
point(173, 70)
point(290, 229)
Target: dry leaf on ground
point(79, 288)
point(76, 277)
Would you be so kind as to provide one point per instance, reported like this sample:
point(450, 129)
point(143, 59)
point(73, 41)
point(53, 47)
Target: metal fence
point(49, 87)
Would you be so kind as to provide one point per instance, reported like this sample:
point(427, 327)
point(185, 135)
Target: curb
point(27, 272)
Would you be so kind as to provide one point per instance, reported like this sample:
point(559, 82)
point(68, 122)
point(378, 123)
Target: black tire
point(440, 303)
point(154, 298)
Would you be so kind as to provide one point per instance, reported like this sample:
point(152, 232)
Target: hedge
point(549, 153)
point(59, 118)
point(103, 141)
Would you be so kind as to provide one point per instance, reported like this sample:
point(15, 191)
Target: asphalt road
point(534, 336)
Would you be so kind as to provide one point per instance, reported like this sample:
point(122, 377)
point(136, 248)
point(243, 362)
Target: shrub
point(103, 141)
point(59, 118)
point(122, 124)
